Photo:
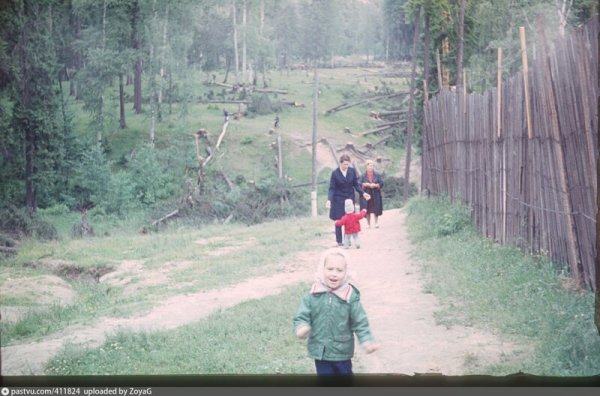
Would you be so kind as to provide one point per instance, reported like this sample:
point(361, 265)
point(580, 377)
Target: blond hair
point(323, 260)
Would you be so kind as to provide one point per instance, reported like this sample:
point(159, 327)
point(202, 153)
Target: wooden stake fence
point(524, 156)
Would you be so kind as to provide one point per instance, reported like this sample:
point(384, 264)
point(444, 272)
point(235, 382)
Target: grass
point(247, 252)
point(500, 289)
point(254, 337)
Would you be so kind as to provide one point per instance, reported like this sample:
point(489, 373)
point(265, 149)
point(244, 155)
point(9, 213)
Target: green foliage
point(91, 179)
point(497, 287)
point(22, 222)
point(393, 191)
point(262, 105)
point(442, 219)
point(149, 178)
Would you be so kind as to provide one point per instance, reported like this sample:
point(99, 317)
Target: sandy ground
point(400, 312)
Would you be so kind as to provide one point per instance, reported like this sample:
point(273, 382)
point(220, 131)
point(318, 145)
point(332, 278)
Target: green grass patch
point(254, 337)
point(501, 289)
point(218, 256)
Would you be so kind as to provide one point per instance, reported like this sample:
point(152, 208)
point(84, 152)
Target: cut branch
point(383, 127)
point(173, 213)
point(223, 131)
point(225, 101)
point(344, 106)
point(380, 114)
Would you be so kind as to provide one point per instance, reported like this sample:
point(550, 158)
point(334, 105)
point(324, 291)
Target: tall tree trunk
point(74, 54)
point(262, 17)
point(426, 49)
point(236, 55)
point(122, 123)
point(563, 8)
point(461, 44)
point(153, 84)
point(136, 44)
point(244, 45)
point(162, 63)
point(227, 68)
point(30, 199)
point(411, 108)
point(100, 128)
point(170, 92)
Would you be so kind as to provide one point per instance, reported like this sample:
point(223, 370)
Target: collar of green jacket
point(346, 292)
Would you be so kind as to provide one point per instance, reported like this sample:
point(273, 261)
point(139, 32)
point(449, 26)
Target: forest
point(91, 91)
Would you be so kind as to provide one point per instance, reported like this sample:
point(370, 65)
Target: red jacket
point(351, 221)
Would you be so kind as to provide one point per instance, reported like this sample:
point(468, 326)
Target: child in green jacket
point(330, 315)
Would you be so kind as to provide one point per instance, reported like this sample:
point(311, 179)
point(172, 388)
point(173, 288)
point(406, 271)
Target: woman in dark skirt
point(343, 182)
point(372, 182)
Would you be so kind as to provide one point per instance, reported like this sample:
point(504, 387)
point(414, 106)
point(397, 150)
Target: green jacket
point(333, 322)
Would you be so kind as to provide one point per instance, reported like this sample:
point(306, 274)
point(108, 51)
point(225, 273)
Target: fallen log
point(8, 249)
point(345, 106)
point(332, 149)
point(379, 114)
point(377, 130)
point(271, 90)
point(168, 216)
point(293, 103)
point(222, 134)
point(226, 101)
point(383, 139)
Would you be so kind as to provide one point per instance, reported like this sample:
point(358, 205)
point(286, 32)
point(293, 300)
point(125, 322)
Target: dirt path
point(401, 314)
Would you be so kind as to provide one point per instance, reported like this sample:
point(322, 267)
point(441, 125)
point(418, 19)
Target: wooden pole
point(464, 81)
point(279, 158)
point(411, 106)
point(499, 93)
point(572, 250)
point(526, 81)
point(439, 69)
point(313, 193)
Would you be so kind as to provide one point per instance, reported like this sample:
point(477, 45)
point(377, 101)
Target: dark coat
point(377, 206)
point(340, 189)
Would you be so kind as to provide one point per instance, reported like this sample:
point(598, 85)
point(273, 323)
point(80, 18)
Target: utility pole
point(313, 193)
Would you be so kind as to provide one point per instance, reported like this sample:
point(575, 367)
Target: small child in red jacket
point(351, 223)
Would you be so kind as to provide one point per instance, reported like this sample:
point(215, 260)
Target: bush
point(393, 190)
point(22, 222)
point(442, 219)
point(149, 179)
point(262, 105)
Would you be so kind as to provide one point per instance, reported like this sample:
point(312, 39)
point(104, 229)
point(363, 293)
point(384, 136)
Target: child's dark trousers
point(326, 367)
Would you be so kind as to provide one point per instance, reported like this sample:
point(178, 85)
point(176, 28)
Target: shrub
point(262, 105)
point(149, 179)
point(22, 222)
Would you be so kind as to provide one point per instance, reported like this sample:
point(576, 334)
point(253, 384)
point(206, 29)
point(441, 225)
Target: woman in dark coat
point(343, 182)
point(372, 182)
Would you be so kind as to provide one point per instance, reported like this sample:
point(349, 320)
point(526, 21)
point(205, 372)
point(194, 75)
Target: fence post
point(562, 166)
point(526, 81)
point(499, 93)
point(439, 69)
